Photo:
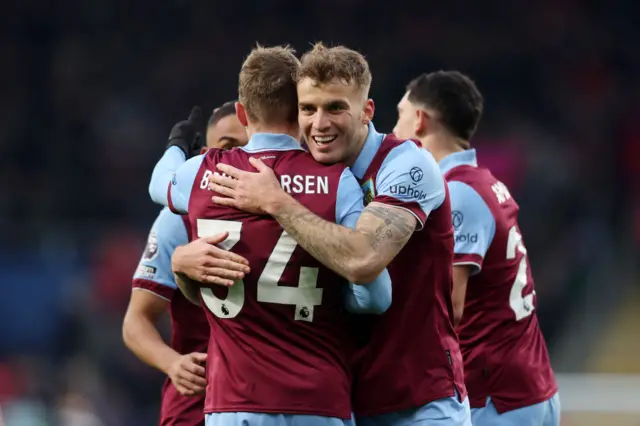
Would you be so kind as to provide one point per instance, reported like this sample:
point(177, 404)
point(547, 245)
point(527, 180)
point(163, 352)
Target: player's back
point(281, 336)
point(412, 357)
point(505, 353)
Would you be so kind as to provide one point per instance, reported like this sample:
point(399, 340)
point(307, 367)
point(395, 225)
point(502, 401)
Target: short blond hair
point(267, 85)
point(326, 64)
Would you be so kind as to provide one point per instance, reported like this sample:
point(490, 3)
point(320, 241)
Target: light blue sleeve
point(349, 201)
point(373, 298)
point(410, 178)
point(173, 169)
point(473, 225)
point(167, 233)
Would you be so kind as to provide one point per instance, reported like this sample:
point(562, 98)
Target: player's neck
point(281, 129)
point(361, 138)
point(441, 146)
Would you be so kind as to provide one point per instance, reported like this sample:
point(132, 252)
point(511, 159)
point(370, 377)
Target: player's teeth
point(323, 139)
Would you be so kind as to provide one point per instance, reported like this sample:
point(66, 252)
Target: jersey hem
point(506, 407)
point(260, 410)
point(404, 406)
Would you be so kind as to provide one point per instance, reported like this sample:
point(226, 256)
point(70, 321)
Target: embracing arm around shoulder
point(409, 186)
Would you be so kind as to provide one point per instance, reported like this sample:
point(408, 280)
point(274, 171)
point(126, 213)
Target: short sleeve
point(409, 178)
point(473, 225)
point(154, 270)
point(349, 202)
point(172, 180)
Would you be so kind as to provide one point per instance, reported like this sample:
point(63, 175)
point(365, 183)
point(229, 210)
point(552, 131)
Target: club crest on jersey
point(368, 191)
point(151, 250)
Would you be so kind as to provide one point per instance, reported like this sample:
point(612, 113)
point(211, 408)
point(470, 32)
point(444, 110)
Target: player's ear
point(368, 112)
point(422, 123)
point(241, 113)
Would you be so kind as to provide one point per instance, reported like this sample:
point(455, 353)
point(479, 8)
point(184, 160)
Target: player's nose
point(321, 121)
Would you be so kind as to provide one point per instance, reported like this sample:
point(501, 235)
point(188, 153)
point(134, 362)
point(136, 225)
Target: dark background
point(90, 90)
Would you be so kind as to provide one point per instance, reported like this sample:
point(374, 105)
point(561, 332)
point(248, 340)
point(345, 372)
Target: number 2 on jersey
point(521, 305)
point(305, 297)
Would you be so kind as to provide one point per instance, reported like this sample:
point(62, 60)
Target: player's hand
point(187, 374)
point(188, 134)
point(248, 191)
point(203, 262)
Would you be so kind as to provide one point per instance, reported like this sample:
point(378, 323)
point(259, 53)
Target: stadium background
point(90, 91)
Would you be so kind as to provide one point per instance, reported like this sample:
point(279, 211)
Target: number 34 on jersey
point(305, 297)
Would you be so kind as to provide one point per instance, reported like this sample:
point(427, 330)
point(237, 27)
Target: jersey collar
point(368, 152)
point(461, 158)
point(271, 142)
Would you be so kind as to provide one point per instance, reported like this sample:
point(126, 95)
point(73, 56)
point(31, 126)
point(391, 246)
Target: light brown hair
point(326, 64)
point(267, 85)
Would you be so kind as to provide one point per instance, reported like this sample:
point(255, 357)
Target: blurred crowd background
point(90, 91)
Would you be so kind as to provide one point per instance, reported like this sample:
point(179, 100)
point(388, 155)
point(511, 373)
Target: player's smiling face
point(333, 118)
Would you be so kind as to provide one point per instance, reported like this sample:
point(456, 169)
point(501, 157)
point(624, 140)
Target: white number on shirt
point(305, 297)
point(521, 305)
point(204, 183)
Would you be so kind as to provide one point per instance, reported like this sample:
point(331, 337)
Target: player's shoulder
point(405, 157)
point(304, 163)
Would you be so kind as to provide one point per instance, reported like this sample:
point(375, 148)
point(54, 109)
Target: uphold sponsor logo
point(467, 238)
point(457, 218)
point(408, 191)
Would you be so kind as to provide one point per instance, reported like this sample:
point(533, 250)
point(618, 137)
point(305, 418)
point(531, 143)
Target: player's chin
point(326, 157)
point(327, 154)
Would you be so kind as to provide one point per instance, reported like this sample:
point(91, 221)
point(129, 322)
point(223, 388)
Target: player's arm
point(153, 289)
point(172, 179)
point(474, 228)
point(382, 230)
point(173, 176)
point(374, 297)
point(384, 227)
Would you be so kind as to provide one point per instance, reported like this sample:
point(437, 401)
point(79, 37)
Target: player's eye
point(307, 108)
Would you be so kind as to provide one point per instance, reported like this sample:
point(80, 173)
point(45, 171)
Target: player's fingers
point(191, 380)
point(215, 239)
point(230, 171)
point(258, 164)
point(196, 115)
point(212, 279)
point(224, 201)
point(199, 357)
point(217, 259)
point(223, 181)
point(196, 369)
point(182, 390)
point(222, 190)
point(231, 256)
point(223, 273)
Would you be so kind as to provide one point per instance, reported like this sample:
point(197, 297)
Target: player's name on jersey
point(308, 184)
point(296, 184)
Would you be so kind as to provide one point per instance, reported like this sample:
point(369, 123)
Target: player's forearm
point(189, 289)
point(347, 252)
point(172, 159)
point(141, 336)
